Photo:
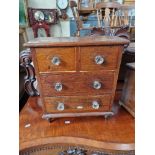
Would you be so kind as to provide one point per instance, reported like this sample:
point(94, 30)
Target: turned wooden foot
point(108, 115)
point(50, 120)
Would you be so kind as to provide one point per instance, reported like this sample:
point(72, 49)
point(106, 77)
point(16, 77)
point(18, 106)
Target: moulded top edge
point(76, 41)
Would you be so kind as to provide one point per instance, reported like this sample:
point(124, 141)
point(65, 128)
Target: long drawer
point(73, 84)
point(77, 104)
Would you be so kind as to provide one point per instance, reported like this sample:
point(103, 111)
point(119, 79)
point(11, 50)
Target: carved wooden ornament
point(26, 59)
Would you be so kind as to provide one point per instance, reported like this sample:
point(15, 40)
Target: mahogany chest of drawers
point(77, 76)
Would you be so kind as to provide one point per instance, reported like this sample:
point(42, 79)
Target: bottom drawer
point(77, 104)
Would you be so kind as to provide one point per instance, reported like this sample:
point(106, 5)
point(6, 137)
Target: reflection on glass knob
point(99, 59)
point(97, 85)
point(60, 106)
point(95, 105)
point(56, 61)
point(58, 86)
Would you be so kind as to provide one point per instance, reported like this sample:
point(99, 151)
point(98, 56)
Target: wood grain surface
point(115, 133)
point(77, 83)
point(78, 68)
point(109, 53)
point(67, 57)
point(128, 94)
point(77, 103)
point(76, 41)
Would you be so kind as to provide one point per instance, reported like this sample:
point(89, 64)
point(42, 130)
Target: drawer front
point(98, 58)
point(77, 104)
point(56, 59)
point(94, 83)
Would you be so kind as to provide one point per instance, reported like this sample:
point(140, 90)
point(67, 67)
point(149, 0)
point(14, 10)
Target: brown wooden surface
point(76, 41)
point(115, 133)
point(72, 103)
point(77, 83)
point(67, 57)
point(110, 54)
point(85, 11)
point(128, 94)
point(127, 57)
point(111, 5)
point(78, 70)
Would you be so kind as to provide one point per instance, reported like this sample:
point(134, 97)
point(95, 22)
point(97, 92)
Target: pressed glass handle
point(56, 61)
point(99, 59)
point(97, 85)
point(95, 105)
point(60, 106)
point(58, 86)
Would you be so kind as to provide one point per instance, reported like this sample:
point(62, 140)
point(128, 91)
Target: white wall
point(47, 4)
point(62, 29)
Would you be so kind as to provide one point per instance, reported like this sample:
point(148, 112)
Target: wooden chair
point(106, 11)
point(109, 21)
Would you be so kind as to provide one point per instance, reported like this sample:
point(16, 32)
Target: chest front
point(77, 78)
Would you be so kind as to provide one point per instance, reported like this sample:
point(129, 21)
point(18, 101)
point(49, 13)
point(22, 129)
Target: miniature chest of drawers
point(77, 76)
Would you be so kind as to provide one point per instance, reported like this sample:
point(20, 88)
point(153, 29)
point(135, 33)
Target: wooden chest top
point(76, 41)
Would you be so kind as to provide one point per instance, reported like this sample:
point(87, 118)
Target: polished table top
point(116, 132)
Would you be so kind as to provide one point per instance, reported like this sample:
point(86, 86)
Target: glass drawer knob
point(97, 85)
point(58, 86)
point(60, 106)
point(99, 59)
point(95, 105)
point(56, 61)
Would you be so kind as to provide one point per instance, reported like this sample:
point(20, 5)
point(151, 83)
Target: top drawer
point(56, 59)
point(99, 57)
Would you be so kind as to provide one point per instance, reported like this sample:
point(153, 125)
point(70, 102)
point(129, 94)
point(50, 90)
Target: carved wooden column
point(25, 60)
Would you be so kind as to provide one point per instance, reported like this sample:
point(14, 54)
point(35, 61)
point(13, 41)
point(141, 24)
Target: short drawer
point(77, 104)
point(98, 58)
point(56, 59)
point(86, 83)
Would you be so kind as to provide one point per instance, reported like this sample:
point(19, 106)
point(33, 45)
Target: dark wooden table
point(115, 133)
